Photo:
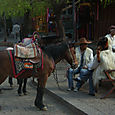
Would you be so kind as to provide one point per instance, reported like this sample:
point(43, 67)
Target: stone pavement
point(91, 105)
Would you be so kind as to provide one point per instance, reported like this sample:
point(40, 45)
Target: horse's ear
point(106, 39)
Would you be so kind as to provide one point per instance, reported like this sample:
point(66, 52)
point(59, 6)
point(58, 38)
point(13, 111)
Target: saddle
point(29, 52)
point(25, 57)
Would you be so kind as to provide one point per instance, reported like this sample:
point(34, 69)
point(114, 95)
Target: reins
point(55, 72)
point(55, 76)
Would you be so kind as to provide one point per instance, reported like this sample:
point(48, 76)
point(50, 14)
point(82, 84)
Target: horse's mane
point(55, 50)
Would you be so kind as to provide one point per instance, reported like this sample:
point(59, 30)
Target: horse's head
point(71, 55)
point(61, 51)
point(102, 44)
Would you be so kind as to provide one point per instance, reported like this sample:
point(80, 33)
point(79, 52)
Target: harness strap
point(42, 58)
point(12, 62)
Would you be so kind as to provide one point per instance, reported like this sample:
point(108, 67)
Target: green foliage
point(107, 2)
point(20, 7)
point(39, 8)
point(14, 7)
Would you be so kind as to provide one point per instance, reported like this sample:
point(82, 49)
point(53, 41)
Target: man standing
point(16, 30)
point(111, 37)
point(84, 56)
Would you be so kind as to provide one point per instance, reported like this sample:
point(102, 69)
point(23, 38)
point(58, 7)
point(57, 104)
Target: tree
point(30, 8)
point(12, 8)
point(107, 2)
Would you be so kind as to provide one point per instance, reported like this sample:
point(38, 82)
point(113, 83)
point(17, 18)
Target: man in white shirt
point(16, 30)
point(111, 37)
point(84, 57)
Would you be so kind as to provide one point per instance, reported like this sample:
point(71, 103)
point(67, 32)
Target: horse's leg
point(20, 81)
point(100, 83)
point(10, 81)
point(96, 87)
point(40, 92)
point(2, 79)
point(24, 86)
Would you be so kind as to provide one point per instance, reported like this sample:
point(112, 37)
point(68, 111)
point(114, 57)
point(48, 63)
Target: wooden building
point(106, 18)
point(93, 19)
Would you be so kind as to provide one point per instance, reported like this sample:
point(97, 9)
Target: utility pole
point(74, 20)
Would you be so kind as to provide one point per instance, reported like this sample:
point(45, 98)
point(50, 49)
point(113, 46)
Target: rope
point(55, 76)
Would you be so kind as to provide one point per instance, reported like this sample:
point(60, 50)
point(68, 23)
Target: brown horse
point(51, 56)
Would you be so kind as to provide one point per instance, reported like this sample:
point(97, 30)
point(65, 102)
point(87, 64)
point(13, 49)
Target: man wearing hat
point(111, 37)
point(84, 57)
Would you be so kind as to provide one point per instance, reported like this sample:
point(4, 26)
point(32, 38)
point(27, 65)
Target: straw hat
point(83, 41)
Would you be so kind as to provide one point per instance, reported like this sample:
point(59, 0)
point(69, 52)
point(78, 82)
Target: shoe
point(76, 79)
point(76, 89)
point(92, 94)
point(68, 89)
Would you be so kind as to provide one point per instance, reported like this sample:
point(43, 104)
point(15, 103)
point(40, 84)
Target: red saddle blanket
point(19, 65)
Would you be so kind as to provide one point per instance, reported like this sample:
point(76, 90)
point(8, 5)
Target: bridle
point(72, 65)
point(73, 56)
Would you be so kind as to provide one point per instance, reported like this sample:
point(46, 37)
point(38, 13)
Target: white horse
point(104, 60)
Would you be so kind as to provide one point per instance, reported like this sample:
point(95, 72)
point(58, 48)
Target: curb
point(68, 105)
point(61, 100)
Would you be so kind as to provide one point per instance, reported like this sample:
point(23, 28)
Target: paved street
point(12, 104)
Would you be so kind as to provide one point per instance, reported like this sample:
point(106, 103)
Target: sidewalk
point(81, 100)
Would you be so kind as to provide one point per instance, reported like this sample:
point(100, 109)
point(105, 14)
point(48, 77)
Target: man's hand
point(74, 66)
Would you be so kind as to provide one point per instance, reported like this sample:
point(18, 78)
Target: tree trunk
point(57, 9)
point(27, 26)
point(60, 27)
point(5, 32)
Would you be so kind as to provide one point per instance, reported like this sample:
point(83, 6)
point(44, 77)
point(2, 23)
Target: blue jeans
point(84, 74)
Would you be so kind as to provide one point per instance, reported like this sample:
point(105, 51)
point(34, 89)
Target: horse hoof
point(19, 94)
point(0, 91)
point(44, 108)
